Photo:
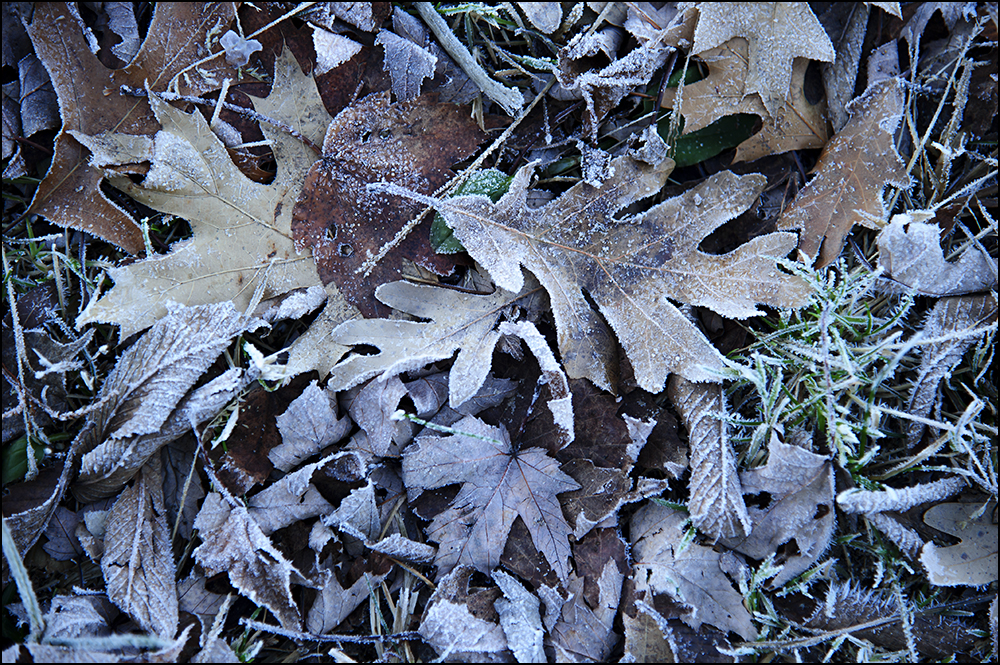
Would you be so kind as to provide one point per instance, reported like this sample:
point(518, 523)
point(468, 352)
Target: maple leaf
point(777, 33)
point(628, 266)
point(795, 125)
point(499, 483)
point(90, 101)
point(242, 229)
point(851, 174)
point(413, 144)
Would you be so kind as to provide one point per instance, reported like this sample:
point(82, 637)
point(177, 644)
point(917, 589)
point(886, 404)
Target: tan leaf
point(795, 489)
point(777, 32)
point(242, 229)
point(858, 163)
point(232, 543)
point(691, 575)
point(630, 267)
point(499, 484)
point(138, 561)
point(716, 497)
point(90, 101)
point(972, 562)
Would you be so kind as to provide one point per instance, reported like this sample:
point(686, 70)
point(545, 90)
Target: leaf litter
point(433, 486)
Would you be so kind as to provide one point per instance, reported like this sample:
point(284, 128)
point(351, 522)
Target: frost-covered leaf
point(456, 321)
point(407, 63)
point(144, 393)
point(690, 574)
point(777, 32)
point(334, 603)
point(716, 497)
point(546, 16)
point(332, 50)
point(499, 484)
point(309, 425)
point(232, 543)
point(413, 144)
point(858, 163)
point(864, 501)
point(629, 266)
point(372, 407)
point(358, 514)
point(949, 316)
point(364, 15)
point(520, 619)
point(910, 251)
point(458, 620)
point(289, 500)
point(194, 598)
point(73, 617)
point(792, 507)
point(242, 229)
point(138, 561)
point(91, 102)
point(973, 561)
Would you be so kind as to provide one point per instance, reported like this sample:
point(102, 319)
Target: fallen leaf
point(911, 254)
point(520, 618)
point(546, 16)
point(242, 229)
point(792, 512)
point(499, 483)
point(459, 620)
point(457, 321)
point(289, 500)
point(777, 33)
point(972, 562)
point(716, 497)
point(629, 266)
point(372, 408)
point(407, 63)
point(232, 543)
point(858, 163)
point(309, 425)
point(138, 561)
point(334, 603)
point(91, 102)
point(690, 574)
point(413, 144)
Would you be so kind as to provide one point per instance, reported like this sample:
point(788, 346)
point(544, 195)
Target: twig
point(312, 637)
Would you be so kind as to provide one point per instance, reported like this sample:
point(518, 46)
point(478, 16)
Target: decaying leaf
point(690, 574)
point(308, 426)
point(413, 144)
point(858, 163)
point(716, 498)
point(777, 32)
point(910, 251)
point(973, 561)
point(242, 229)
point(91, 102)
point(407, 63)
point(499, 483)
point(457, 321)
point(520, 619)
point(629, 267)
point(289, 500)
point(232, 543)
point(138, 561)
point(459, 620)
point(793, 516)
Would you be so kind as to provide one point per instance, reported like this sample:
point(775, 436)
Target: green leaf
point(491, 183)
point(723, 134)
point(15, 460)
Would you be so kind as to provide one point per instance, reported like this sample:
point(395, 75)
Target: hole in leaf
point(385, 133)
point(365, 135)
point(822, 510)
point(331, 231)
point(345, 250)
point(788, 550)
point(761, 500)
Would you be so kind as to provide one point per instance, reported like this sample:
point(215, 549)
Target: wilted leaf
point(138, 561)
point(148, 382)
point(629, 267)
point(413, 144)
point(242, 229)
point(858, 163)
point(457, 620)
point(910, 251)
point(716, 497)
point(232, 543)
point(91, 102)
point(777, 33)
point(690, 574)
point(792, 514)
point(457, 321)
point(499, 483)
point(972, 562)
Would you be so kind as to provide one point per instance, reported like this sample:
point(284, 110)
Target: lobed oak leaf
point(777, 33)
point(858, 163)
point(629, 266)
point(499, 484)
point(972, 562)
point(90, 102)
point(242, 229)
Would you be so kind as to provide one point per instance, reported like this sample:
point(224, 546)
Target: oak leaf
point(858, 163)
point(499, 483)
point(777, 32)
point(242, 229)
point(973, 561)
point(628, 266)
point(91, 102)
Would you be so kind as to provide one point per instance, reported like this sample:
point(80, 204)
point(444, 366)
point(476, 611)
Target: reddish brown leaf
point(413, 144)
